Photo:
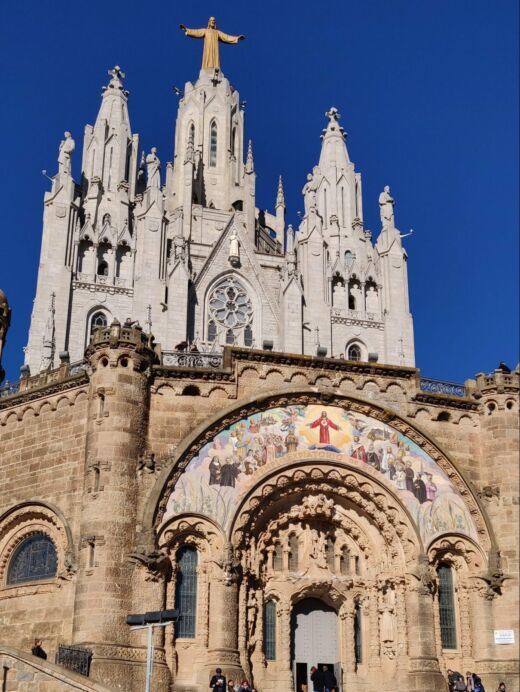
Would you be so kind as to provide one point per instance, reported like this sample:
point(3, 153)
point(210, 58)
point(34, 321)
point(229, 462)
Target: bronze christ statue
point(211, 36)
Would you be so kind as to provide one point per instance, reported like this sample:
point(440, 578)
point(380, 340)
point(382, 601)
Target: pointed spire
point(280, 197)
point(333, 147)
point(250, 164)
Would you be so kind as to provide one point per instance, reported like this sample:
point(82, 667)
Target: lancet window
point(186, 592)
point(99, 319)
point(358, 642)
point(354, 352)
point(447, 616)
point(213, 144)
point(33, 560)
point(293, 553)
point(270, 630)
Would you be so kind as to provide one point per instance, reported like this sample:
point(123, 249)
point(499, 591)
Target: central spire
point(212, 36)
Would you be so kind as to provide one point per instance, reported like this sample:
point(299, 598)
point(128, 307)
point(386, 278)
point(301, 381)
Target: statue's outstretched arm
point(194, 33)
point(227, 38)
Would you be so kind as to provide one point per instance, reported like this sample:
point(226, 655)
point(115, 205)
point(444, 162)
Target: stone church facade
point(285, 478)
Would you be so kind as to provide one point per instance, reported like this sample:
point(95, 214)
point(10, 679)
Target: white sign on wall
point(504, 636)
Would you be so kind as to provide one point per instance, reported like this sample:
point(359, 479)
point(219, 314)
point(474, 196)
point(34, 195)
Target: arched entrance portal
point(314, 640)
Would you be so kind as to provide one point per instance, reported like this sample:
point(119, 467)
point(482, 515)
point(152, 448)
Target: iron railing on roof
point(440, 387)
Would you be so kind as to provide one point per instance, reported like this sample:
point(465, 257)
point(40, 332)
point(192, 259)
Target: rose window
point(230, 305)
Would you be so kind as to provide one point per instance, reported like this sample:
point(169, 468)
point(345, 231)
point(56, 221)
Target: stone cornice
point(331, 364)
point(435, 399)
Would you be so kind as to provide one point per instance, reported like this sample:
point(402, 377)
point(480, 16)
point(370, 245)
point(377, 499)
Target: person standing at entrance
point(218, 681)
point(317, 679)
point(330, 684)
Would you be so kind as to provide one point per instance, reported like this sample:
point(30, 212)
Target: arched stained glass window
point(186, 592)
point(447, 608)
point(248, 336)
point(230, 337)
point(354, 352)
point(213, 145)
point(212, 331)
point(270, 630)
point(293, 553)
point(348, 259)
point(99, 319)
point(34, 559)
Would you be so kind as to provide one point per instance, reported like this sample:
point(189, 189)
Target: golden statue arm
point(227, 38)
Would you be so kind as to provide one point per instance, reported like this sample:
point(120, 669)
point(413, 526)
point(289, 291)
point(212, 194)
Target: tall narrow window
point(329, 553)
point(186, 592)
point(109, 183)
point(447, 608)
point(248, 336)
point(348, 259)
point(277, 558)
point(270, 630)
point(34, 559)
point(293, 553)
point(230, 337)
point(344, 561)
point(325, 211)
point(343, 206)
point(358, 644)
point(213, 145)
point(191, 134)
point(212, 331)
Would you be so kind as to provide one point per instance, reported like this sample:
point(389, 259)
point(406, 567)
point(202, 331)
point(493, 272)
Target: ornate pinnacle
point(280, 197)
point(250, 164)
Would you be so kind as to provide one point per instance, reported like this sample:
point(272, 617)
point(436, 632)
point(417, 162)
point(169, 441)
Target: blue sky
point(428, 96)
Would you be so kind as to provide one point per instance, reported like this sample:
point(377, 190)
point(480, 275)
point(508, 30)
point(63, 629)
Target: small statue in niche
point(234, 250)
point(387, 623)
point(146, 463)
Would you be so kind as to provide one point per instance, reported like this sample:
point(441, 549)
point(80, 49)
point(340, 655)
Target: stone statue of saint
point(234, 249)
point(67, 146)
point(309, 194)
point(153, 169)
point(211, 36)
point(386, 207)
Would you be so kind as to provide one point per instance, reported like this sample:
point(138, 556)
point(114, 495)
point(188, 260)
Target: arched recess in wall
point(97, 316)
point(342, 410)
point(24, 524)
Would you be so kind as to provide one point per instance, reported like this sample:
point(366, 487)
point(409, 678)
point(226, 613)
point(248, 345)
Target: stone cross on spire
point(212, 36)
point(333, 114)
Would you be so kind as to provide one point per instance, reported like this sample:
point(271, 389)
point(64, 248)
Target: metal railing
point(440, 387)
point(74, 658)
point(192, 359)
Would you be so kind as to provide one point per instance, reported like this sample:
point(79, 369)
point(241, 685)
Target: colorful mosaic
point(215, 478)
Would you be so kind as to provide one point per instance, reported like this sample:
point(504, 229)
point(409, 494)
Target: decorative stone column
point(348, 646)
point(223, 618)
point(424, 672)
point(283, 613)
point(374, 660)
